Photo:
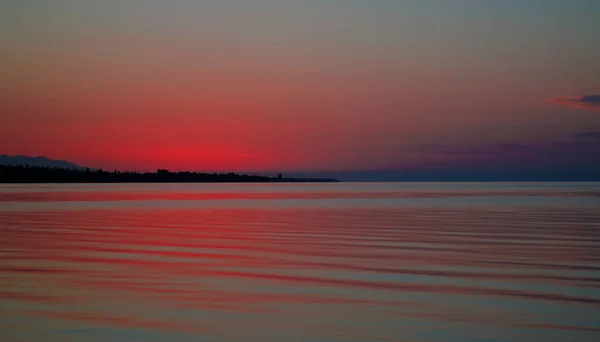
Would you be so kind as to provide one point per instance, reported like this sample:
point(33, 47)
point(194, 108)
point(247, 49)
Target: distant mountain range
point(38, 161)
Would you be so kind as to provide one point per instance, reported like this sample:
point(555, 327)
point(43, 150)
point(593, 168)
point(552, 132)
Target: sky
point(302, 85)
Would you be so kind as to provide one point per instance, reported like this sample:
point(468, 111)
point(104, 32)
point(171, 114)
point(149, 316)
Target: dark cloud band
point(586, 101)
point(587, 135)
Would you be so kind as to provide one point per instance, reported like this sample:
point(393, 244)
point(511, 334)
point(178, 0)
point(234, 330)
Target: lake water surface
point(300, 262)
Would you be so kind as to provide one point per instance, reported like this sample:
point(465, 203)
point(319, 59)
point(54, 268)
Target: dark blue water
point(300, 262)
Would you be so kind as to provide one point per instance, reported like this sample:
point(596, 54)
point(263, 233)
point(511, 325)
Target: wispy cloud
point(587, 135)
point(586, 101)
point(482, 151)
point(581, 150)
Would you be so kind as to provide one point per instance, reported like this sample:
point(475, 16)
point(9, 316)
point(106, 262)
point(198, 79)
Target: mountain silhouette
point(38, 161)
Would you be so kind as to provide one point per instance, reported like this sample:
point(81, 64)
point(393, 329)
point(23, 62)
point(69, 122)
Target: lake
point(300, 262)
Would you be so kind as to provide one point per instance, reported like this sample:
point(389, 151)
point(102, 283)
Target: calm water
point(300, 262)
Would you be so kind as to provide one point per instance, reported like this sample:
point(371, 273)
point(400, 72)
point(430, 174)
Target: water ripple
point(520, 273)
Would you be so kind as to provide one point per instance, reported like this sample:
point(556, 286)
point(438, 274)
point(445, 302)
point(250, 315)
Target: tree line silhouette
point(36, 174)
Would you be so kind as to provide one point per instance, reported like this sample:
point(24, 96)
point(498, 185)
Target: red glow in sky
point(297, 86)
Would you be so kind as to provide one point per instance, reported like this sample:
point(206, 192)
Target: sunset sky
point(302, 85)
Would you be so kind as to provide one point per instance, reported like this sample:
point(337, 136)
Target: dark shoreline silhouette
point(37, 174)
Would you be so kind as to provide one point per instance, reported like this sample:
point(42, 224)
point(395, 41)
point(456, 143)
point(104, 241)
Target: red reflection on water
point(87, 196)
point(267, 261)
point(32, 297)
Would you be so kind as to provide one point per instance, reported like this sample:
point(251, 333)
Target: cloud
point(453, 150)
point(467, 151)
point(580, 151)
point(587, 135)
point(586, 101)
